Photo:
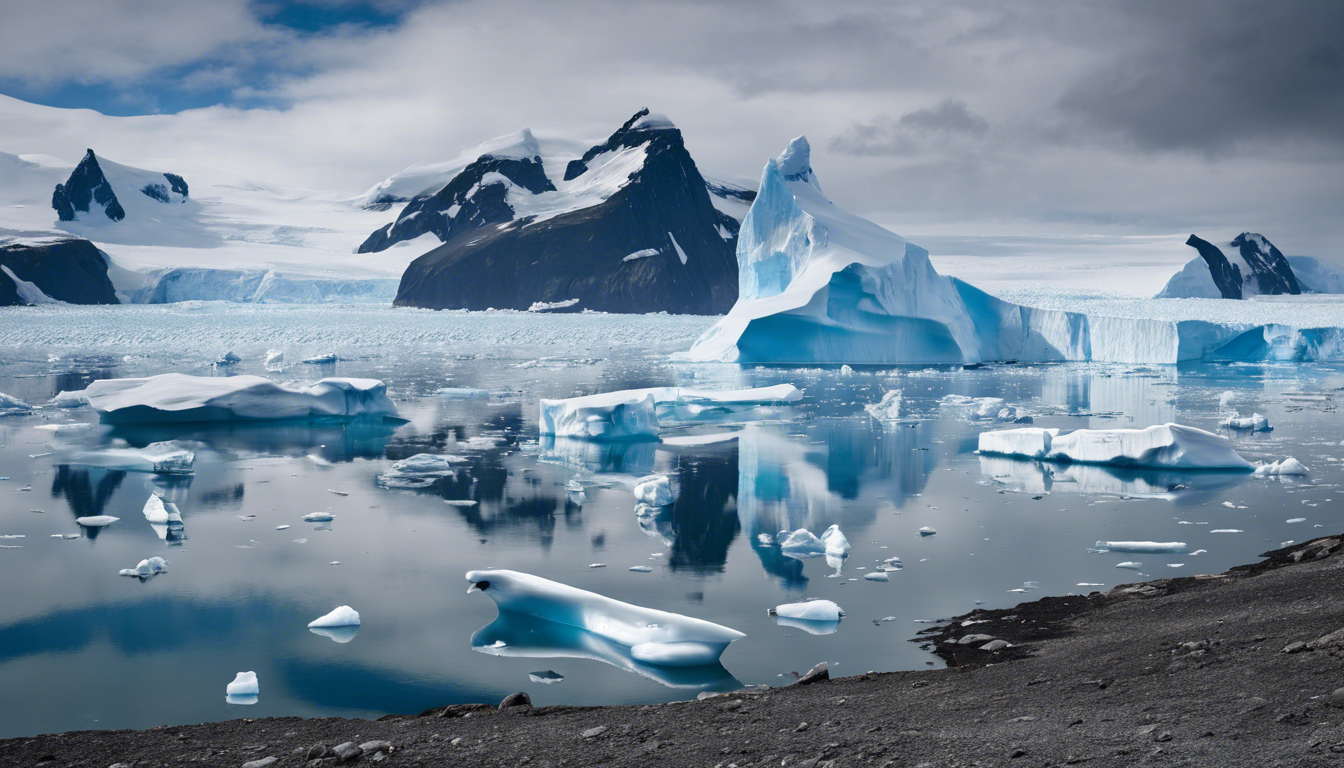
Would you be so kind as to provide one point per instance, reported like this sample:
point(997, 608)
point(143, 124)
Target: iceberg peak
point(795, 162)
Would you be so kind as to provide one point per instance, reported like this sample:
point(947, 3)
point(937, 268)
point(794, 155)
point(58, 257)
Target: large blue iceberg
point(820, 285)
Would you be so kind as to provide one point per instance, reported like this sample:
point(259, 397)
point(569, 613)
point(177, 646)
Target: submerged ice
point(653, 637)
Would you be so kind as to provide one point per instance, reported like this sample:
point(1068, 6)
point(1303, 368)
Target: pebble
point(1337, 698)
point(817, 674)
point(519, 699)
point(1295, 647)
point(262, 763)
point(996, 645)
point(347, 751)
point(374, 747)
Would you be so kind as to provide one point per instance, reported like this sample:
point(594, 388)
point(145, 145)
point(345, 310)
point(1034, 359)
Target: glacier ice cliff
point(820, 285)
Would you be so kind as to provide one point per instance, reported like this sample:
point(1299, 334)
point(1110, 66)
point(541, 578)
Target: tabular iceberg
point(653, 637)
point(1170, 446)
point(179, 398)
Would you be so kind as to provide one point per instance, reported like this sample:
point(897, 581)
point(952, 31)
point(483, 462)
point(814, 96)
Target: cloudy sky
point(1054, 116)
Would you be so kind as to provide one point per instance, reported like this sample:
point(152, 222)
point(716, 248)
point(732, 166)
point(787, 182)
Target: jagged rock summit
point(94, 185)
point(630, 226)
point(1249, 265)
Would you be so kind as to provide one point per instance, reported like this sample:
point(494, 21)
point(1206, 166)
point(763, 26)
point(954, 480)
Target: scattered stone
point(1295, 647)
point(817, 674)
point(801, 727)
point(1019, 752)
point(374, 747)
point(262, 763)
point(347, 751)
point(996, 645)
point(1326, 641)
point(519, 699)
point(593, 733)
point(317, 752)
point(458, 710)
point(1164, 736)
point(969, 639)
point(1337, 698)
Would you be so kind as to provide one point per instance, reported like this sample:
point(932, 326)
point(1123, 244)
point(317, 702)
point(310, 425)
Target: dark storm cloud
point(1208, 75)
point(949, 121)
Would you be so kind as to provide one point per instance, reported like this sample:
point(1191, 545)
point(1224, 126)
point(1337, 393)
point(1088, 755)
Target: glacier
point(820, 285)
point(1163, 446)
point(179, 398)
point(653, 637)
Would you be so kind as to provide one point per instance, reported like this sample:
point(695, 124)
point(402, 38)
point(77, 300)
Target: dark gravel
point(1176, 672)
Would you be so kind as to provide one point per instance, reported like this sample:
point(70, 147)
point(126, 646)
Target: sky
point(961, 117)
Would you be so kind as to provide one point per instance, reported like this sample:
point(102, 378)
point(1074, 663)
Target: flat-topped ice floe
point(1167, 446)
point(653, 637)
point(160, 458)
point(176, 397)
point(1143, 547)
point(633, 414)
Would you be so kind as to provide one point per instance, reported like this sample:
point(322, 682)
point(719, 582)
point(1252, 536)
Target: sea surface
point(83, 647)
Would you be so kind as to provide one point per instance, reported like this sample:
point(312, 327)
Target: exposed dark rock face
point(178, 184)
point(9, 292)
point(1271, 269)
point(466, 204)
point(72, 271)
point(1263, 263)
point(656, 244)
point(86, 185)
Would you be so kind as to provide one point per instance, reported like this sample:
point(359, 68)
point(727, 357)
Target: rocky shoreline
point(1234, 669)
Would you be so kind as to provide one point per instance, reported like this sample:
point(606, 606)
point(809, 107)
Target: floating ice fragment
point(1253, 423)
point(176, 397)
point(641, 568)
point(461, 502)
point(628, 415)
point(546, 677)
point(888, 408)
point(1296, 520)
point(342, 616)
point(282, 527)
point(1143, 547)
point(96, 521)
point(653, 637)
point(574, 486)
point(1129, 565)
point(159, 512)
point(1227, 530)
point(877, 576)
point(147, 568)
point(835, 542)
point(421, 470)
point(801, 543)
point(597, 565)
point(326, 359)
point(1175, 565)
point(654, 490)
point(228, 358)
point(926, 531)
point(1286, 467)
point(1165, 446)
point(244, 684)
point(318, 517)
point(809, 610)
point(12, 406)
point(1198, 552)
point(338, 493)
point(274, 357)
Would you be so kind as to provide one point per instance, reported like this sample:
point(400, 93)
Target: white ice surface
point(1143, 547)
point(1170, 446)
point(654, 637)
point(1256, 422)
point(11, 406)
point(888, 408)
point(1289, 467)
point(810, 610)
point(179, 397)
point(96, 521)
point(655, 490)
point(835, 542)
point(801, 543)
point(244, 684)
point(159, 512)
point(342, 616)
point(626, 415)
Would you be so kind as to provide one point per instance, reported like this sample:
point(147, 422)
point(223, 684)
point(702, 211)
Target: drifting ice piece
point(10, 406)
point(653, 637)
point(628, 415)
point(888, 409)
point(1143, 547)
point(1253, 423)
point(801, 543)
point(809, 610)
point(147, 568)
point(835, 542)
point(344, 616)
point(1288, 466)
point(1166, 445)
point(655, 490)
point(159, 458)
point(244, 684)
point(96, 521)
point(159, 513)
point(176, 397)
point(421, 470)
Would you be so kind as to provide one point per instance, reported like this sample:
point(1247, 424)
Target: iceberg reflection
point(521, 635)
point(1027, 476)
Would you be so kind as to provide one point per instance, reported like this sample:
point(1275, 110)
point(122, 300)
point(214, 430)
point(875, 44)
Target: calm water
point(90, 649)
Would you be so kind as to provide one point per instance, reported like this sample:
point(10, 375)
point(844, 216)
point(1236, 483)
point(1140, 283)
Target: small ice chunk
point(809, 610)
point(926, 531)
point(888, 408)
point(1296, 520)
point(274, 357)
point(1129, 565)
point(1227, 530)
point(318, 517)
point(282, 527)
point(1143, 547)
point(627, 415)
point(597, 565)
point(877, 576)
point(574, 486)
point(1253, 423)
point(160, 512)
point(244, 684)
point(12, 406)
point(325, 359)
point(421, 470)
point(801, 543)
point(342, 616)
point(227, 359)
point(147, 568)
point(835, 542)
point(96, 521)
point(1284, 468)
point(654, 490)
point(546, 677)
point(1168, 446)
point(640, 568)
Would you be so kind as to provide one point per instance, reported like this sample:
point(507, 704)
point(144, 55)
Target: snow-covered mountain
point(1249, 266)
point(630, 225)
point(93, 187)
point(518, 176)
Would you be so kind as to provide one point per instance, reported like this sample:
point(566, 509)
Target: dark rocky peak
point(1272, 272)
point(642, 128)
point(472, 199)
point(86, 185)
point(1226, 275)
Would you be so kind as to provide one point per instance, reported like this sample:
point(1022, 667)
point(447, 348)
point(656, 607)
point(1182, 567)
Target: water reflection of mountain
point(834, 474)
point(331, 440)
point(1027, 476)
point(86, 489)
point(703, 521)
point(73, 381)
point(518, 635)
